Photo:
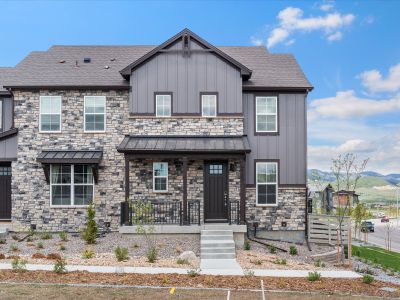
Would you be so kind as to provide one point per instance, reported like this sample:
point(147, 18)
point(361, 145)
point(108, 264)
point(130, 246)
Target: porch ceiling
point(184, 144)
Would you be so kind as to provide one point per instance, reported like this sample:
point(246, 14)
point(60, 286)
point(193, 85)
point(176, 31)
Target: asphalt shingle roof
point(58, 67)
point(5, 74)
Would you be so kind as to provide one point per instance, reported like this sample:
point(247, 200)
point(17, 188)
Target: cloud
point(326, 6)
point(291, 20)
point(373, 80)
point(256, 41)
point(346, 105)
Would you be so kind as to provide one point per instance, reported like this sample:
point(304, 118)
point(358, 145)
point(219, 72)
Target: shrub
point(18, 265)
point(279, 261)
point(247, 245)
point(181, 261)
point(318, 263)
point(63, 236)
point(38, 255)
point(15, 237)
point(136, 245)
point(368, 279)
point(314, 276)
point(60, 266)
point(121, 253)
point(88, 253)
point(152, 254)
point(46, 236)
point(194, 272)
point(2, 242)
point(272, 249)
point(257, 262)
point(54, 256)
point(62, 247)
point(40, 245)
point(248, 273)
point(29, 239)
point(90, 232)
point(293, 250)
point(14, 247)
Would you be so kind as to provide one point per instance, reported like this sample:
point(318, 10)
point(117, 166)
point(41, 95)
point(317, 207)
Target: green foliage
point(314, 276)
point(279, 261)
point(368, 279)
point(90, 232)
point(62, 247)
point(40, 245)
point(46, 236)
point(14, 247)
point(15, 237)
point(63, 236)
point(318, 263)
point(272, 249)
point(257, 262)
point(247, 245)
point(249, 273)
point(293, 250)
point(181, 261)
point(29, 239)
point(121, 253)
point(194, 272)
point(18, 265)
point(152, 254)
point(2, 242)
point(88, 253)
point(378, 256)
point(60, 266)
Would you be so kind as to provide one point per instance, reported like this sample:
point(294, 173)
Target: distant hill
point(372, 186)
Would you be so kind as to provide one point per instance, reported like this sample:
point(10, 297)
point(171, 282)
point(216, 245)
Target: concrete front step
point(216, 244)
point(217, 255)
point(216, 237)
point(216, 232)
point(218, 250)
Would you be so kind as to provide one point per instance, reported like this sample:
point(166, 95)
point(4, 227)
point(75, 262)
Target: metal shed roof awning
point(87, 157)
point(184, 145)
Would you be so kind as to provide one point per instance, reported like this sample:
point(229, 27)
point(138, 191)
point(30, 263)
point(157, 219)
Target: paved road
point(378, 237)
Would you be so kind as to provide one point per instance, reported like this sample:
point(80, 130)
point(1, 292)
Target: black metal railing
point(233, 212)
point(161, 212)
point(194, 212)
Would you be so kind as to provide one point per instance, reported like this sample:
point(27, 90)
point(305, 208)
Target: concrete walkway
point(149, 270)
point(220, 267)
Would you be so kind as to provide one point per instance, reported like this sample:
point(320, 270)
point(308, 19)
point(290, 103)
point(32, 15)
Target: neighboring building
point(344, 198)
point(217, 132)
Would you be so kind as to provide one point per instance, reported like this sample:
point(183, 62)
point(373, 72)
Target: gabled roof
point(245, 72)
point(5, 73)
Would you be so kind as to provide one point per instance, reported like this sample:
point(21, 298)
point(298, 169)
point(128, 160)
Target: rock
point(188, 255)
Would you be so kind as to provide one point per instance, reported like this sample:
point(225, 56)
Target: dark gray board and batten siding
point(186, 77)
point(289, 146)
point(8, 145)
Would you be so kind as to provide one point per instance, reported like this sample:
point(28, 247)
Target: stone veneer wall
point(290, 209)
point(30, 192)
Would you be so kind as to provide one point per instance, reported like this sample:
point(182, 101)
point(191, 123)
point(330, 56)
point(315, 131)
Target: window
point(71, 184)
point(160, 177)
point(266, 183)
point(216, 169)
point(95, 113)
point(208, 105)
point(163, 105)
point(50, 114)
point(5, 171)
point(266, 114)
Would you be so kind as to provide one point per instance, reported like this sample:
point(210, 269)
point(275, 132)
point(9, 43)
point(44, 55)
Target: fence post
point(329, 230)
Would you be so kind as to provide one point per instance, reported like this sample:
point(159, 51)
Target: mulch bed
point(325, 285)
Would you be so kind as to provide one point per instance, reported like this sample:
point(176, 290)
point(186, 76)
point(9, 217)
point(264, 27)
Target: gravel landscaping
point(169, 247)
point(378, 273)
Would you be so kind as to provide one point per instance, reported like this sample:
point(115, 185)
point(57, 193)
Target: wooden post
point(243, 190)
point(184, 192)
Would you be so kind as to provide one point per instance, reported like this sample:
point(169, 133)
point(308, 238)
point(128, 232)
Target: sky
point(349, 51)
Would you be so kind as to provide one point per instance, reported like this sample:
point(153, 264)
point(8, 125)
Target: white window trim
point(154, 177)
point(104, 114)
point(72, 185)
point(170, 106)
point(40, 116)
point(267, 114)
point(202, 106)
point(267, 183)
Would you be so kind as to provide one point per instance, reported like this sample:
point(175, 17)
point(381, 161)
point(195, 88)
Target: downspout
point(306, 221)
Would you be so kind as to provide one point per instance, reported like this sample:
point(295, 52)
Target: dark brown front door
point(215, 187)
point(5, 192)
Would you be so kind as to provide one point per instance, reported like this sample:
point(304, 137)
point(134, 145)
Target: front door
point(215, 188)
point(5, 192)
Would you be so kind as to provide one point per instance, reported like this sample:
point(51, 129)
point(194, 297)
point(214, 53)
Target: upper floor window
point(208, 105)
point(95, 113)
point(50, 114)
point(266, 183)
point(160, 177)
point(163, 105)
point(71, 184)
point(266, 114)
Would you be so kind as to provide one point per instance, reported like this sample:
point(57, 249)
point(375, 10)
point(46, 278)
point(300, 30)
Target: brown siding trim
point(255, 114)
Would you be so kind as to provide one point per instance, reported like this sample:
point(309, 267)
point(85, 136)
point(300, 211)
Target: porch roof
point(184, 144)
point(70, 156)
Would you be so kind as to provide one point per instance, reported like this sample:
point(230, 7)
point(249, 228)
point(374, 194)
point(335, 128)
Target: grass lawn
point(379, 256)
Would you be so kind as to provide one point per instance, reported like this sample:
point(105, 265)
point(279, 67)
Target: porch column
point(184, 192)
point(243, 190)
point(127, 187)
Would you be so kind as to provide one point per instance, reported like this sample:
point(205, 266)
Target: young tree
point(90, 232)
point(359, 214)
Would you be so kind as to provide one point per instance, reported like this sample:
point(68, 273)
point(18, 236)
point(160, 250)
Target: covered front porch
point(187, 180)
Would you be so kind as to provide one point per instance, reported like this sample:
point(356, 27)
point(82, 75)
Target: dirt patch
point(325, 285)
